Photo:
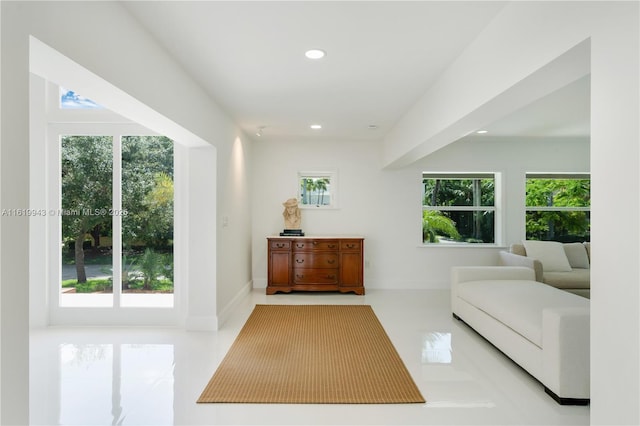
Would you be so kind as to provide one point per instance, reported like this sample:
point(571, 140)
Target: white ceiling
point(381, 57)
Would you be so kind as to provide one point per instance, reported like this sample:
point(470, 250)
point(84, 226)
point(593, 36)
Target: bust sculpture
point(291, 214)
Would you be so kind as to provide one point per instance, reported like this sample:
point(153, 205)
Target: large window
point(113, 216)
point(116, 204)
point(458, 208)
point(558, 207)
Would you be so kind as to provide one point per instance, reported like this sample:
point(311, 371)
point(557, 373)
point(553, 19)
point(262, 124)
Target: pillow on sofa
point(550, 253)
point(577, 255)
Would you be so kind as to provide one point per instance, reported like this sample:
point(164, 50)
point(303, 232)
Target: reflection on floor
point(153, 376)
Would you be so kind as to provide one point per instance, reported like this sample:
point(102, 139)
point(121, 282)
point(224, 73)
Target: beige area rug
point(312, 354)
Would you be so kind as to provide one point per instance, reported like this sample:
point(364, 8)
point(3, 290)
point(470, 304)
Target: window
point(458, 208)
point(97, 224)
point(317, 189)
point(71, 100)
point(558, 207)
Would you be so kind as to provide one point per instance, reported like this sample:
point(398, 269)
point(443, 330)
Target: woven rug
point(312, 354)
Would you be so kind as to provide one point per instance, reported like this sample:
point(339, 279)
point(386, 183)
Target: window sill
point(464, 246)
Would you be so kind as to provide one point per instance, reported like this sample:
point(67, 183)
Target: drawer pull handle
point(299, 276)
point(332, 246)
point(315, 243)
point(351, 245)
point(279, 245)
point(331, 277)
point(331, 261)
point(300, 245)
point(299, 260)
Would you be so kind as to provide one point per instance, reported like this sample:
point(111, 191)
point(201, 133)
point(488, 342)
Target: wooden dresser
point(315, 264)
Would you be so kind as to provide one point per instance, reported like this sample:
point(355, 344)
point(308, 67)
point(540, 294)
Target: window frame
point(332, 176)
point(495, 209)
point(96, 122)
point(559, 176)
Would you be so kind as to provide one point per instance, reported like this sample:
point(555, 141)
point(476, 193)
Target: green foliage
point(147, 191)
point(86, 165)
point(435, 224)
point(558, 225)
point(91, 286)
point(314, 187)
point(558, 192)
point(86, 181)
point(458, 192)
point(470, 226)
point(151, 265)
point(147, 199)
point(168, 267)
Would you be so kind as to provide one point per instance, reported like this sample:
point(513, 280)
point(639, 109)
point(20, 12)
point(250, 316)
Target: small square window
point(317, 190)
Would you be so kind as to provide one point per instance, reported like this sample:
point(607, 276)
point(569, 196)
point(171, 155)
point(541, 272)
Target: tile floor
point(153, 376)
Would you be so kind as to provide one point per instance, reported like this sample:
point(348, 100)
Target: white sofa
point(567, 269)
point(543, 329)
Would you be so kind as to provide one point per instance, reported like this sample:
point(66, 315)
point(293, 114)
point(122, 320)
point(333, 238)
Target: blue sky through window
point(71, 100)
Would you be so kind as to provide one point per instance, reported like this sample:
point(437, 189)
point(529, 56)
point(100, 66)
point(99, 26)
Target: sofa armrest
point(511, 259)
point(565, 351)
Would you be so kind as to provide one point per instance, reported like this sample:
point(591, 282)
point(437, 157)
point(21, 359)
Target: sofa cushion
point(550, 253)
point(578, 278)
point(587, 246)
point(518, 249)
point(518, 303)
point(577, 255)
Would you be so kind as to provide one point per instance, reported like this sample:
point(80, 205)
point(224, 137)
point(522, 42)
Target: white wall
point(117, 50)
point(522, 40)
point(234, 224)
point(384, 206)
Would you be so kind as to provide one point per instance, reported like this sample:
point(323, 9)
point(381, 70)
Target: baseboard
point(259, 283)
point(566, 401)
point(226, 312)
point(201, 323)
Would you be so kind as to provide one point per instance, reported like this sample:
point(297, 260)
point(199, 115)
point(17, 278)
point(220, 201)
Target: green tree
point(435, 223)
point(86, 167)
point(554, 224)
point(307, 185)
point(471, 226)
point(147, 191)
point(157, 216)
point(151, 266)
point(321, 185)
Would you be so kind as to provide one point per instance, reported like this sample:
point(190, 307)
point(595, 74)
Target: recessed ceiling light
point(482, 131)
point(372, 127)
point(316, 126)
point(315, 53)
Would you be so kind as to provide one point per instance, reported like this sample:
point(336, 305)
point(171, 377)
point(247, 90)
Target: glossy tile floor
point(153, 376)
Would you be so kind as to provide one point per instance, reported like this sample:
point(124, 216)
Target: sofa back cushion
point(587, 246)
point(550, 253)
point(577, 255)
point(518, 249)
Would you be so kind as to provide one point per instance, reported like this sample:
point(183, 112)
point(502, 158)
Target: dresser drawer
point(315, 260)
point(315, 276)
point(350, 245)
point(304, 245)
point(280, 244)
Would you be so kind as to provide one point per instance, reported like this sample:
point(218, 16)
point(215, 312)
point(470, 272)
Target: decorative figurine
point(292, 217)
